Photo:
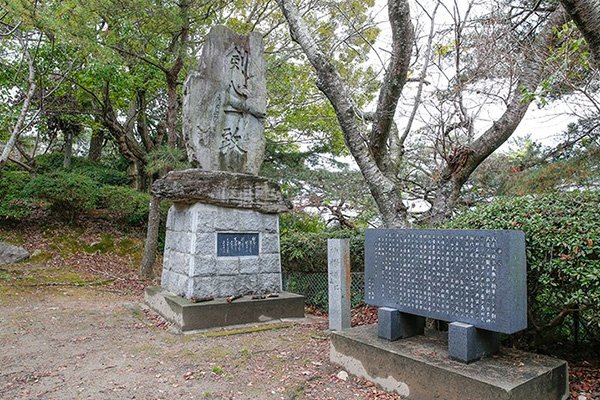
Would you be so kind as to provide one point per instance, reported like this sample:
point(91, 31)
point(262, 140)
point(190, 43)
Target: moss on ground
point(22, 275)
point(40, 257)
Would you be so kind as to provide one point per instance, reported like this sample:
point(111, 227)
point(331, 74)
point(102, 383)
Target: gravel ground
point(87, 343)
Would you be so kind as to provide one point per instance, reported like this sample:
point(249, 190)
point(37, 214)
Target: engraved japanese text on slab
point(237, 244)
point(471, 276)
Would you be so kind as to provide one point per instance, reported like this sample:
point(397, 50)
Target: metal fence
point(314, 287)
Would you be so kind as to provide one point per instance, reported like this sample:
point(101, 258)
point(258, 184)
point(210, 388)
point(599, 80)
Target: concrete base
point(188, 316)
point(419, 368)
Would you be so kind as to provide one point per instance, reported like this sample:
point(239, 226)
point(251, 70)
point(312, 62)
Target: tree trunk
point(172, 108)
point(151, 244)
point(138, 177)
point(68, 148)
point(96, 143)
point(586, 15)
point(372, 156)
point(16, 131)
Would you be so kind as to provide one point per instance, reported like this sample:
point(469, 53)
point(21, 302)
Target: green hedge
point(307, 252)
point(562, 233)
point(14, 204)
point(67, 194)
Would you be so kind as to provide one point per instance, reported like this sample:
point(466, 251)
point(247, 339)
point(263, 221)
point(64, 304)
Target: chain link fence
point(314, 287)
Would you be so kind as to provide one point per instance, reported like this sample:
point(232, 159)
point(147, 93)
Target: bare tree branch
point(382, 187)
point(394, 79)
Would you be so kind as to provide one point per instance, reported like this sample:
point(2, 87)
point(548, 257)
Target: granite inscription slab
point(236, 244)
point(476, 277)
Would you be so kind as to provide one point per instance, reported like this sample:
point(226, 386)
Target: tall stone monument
point(225, 103)
point(221, 262)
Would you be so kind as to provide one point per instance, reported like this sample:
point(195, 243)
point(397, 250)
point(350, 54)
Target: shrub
point(563, 256)
point(307, 252)
point(13, 202)
point(301, 222)
point(104, 174)
point(125, 204)
point(49, 162)
point(67, 194)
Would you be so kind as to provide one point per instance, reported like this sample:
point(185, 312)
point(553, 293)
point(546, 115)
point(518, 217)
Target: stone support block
point(467, 343)
point(394, 325)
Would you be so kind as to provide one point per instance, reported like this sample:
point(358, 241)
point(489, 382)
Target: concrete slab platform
point(188, 316)
point(419, 368)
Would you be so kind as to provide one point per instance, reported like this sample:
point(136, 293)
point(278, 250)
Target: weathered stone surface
point(338, 271)
point(10, 254)
point(418, 368)
point(220, 188)
point(471, 276)
point(187, 316)
point(225, 103)
point(194, 264)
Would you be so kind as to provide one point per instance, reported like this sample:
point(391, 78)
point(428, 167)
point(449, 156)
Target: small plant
point(245, 352)
point(217, 370)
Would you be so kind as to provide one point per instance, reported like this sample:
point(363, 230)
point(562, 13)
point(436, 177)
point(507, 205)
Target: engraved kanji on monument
point(475, 279)
point(224, 104)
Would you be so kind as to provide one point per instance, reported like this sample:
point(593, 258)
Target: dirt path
point(86, 343)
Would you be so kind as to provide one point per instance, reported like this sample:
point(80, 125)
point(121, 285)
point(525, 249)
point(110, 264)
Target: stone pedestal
point(213, 251)
point(222, 234)
point(221, 251)
point(419, 368)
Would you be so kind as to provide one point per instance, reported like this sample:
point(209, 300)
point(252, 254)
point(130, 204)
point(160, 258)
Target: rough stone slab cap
point(220, 188)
